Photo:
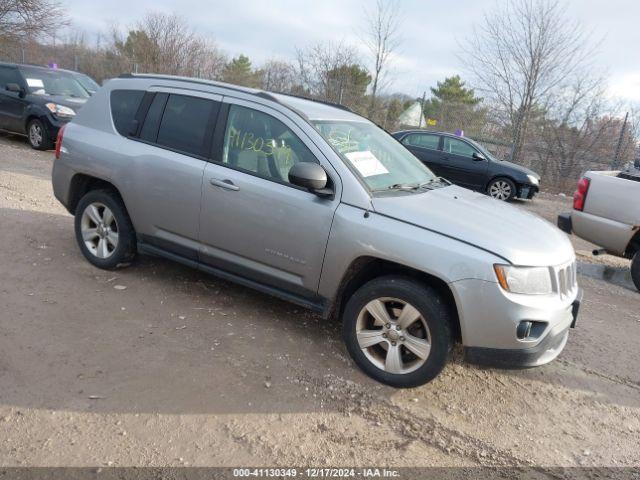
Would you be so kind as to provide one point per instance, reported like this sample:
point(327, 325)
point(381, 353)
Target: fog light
point(524, 329)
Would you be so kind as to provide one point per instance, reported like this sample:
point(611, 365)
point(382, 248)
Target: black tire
point(431, 307)
point(125, 250)
point(501, 184)
point(635, 269)
point(41, 140)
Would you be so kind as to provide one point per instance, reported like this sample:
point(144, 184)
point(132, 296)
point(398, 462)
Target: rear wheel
point(104, 231)
point(502, 189)
point(38, 135)
point(397, 331)
point(635, 269)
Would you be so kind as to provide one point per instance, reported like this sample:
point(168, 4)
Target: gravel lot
point(180, 368)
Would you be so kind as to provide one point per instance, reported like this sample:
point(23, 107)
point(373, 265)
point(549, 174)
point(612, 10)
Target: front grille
point(566, 279)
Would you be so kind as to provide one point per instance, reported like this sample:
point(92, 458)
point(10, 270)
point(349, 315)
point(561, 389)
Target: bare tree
point(382, 38)
point(30, 19)
point(333, 72)
point(523, 53)
point(163, 43)
point(278, 76)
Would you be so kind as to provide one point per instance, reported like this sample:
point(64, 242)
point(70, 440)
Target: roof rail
point(325, 102)
point(237, 88)
point(199, 81)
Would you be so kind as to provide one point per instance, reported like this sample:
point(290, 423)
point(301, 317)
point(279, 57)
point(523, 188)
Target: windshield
point(483, 150)
point(51, 82)
point(87, 82)
point(375, 155)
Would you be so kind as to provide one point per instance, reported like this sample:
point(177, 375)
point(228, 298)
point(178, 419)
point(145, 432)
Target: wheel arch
point(81, 184)
point(33, 112)
point(501, 175)
point(634, 243)
point(366, 268)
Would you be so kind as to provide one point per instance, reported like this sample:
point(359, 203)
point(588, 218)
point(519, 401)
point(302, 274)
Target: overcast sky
point(431, 31)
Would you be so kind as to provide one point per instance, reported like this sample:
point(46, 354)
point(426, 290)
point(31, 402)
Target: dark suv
point(37, 101)
point(466, 163)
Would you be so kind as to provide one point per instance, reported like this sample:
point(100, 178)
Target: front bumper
point(489, 320)
point(544, 352)
point(527, 192)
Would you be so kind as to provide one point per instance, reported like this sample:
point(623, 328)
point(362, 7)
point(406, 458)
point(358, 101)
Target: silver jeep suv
point(315, 204)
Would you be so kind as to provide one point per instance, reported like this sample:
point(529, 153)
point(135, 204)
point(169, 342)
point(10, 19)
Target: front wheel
point(502, 189)
point(38, 135)
point(635, 269)
point(397, 331)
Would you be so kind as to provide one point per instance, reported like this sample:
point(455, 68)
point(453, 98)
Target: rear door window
point(422, 140)
point(124, 105)
point(186, 121)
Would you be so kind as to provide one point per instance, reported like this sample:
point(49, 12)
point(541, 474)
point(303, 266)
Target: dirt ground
point(159, 365)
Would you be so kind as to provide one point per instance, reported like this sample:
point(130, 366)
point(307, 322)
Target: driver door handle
point(226, 184)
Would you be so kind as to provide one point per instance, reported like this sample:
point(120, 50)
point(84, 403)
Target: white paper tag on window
point(35, 83)
point(366, 163)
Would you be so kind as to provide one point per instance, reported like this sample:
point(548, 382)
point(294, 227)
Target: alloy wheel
point(393, 335)
point(500, 190)
point(35, 134)
point(99, 230)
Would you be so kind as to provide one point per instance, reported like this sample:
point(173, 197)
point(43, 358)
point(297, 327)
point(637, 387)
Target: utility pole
point(424, 95)
point(616, 157)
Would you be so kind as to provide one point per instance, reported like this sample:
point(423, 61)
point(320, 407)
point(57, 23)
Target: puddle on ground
point(618, 275)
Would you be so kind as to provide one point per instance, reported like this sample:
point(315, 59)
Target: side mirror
point(310, 176)
point(478, 157)
point(15, 88)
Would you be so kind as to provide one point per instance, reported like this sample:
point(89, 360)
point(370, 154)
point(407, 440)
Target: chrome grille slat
point(566, 278)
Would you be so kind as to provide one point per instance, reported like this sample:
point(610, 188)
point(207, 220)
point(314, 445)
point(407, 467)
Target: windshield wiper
point(439, 180)
point(408, 187)
point(404, 186)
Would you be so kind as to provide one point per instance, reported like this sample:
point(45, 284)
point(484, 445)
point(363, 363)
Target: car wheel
point(635, 269)
point(397, 331)
point(104, 231)
point(502, 189)
point(38, 135)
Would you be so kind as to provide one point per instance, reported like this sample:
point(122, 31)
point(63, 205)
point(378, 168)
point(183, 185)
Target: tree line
point(537, 97)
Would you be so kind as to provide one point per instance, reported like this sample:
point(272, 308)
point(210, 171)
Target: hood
point(72, 102)
point(519, 168)
point(507, 231)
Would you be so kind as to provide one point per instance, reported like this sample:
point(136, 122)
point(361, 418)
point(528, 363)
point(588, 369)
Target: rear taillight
point(59, 141)
point(580, 195)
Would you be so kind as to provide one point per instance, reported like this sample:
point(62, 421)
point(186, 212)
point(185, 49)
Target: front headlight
point(60, 110)
point(525, 280)
point(533, 180)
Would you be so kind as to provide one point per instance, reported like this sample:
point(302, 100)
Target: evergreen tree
point(453, 90)
point(240, 72)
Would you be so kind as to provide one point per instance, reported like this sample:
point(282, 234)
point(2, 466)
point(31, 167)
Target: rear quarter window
point(124, 106)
